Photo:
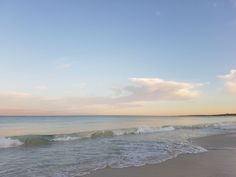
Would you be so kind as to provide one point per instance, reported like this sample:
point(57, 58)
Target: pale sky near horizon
point(147, 57)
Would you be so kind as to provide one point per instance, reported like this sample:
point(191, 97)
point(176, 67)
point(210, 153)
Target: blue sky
point(83, 49)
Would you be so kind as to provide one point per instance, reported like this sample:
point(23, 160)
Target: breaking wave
point(34, 140)
point(8, 142)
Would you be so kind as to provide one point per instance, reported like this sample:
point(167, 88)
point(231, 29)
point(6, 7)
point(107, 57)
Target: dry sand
point(219, 161)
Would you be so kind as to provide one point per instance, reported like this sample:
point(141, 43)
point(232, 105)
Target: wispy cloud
point(63, 63)
point(41, 87)
point(229, 81)
point(14, 94)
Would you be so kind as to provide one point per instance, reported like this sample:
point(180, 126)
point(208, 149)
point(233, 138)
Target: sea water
point(61, 146)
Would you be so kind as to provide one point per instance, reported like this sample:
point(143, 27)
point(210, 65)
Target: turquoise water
point(75, 146)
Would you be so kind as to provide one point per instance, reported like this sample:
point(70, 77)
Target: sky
point(124, 57)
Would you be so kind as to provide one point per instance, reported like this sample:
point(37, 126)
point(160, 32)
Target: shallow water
point(75, 146)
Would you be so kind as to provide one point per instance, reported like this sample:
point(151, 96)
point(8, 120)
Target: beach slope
point(219, 161)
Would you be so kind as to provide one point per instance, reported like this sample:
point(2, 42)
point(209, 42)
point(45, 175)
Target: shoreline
point(218, 161)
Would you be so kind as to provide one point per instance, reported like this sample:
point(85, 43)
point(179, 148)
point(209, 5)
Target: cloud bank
point(137, 93)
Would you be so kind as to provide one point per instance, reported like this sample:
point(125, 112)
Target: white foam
point(225, 125)
point(139, 154)
point(123, 132)
point(142, 130)
point(66, 138)
point(8, 142)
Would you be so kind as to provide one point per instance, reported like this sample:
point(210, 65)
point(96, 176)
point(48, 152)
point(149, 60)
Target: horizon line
point(121, 115)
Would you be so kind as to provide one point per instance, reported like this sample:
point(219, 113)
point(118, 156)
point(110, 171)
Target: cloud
point(229, 77)
point(13, 94)
point(156, 89)
point(63, 63)
point(136, 94)
point(142, 90)
point(229, 81)
point(41, 87)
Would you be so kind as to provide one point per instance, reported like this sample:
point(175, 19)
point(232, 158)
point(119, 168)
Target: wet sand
point(219, 161)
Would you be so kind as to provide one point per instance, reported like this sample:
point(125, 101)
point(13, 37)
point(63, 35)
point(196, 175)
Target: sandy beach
point(219, 161)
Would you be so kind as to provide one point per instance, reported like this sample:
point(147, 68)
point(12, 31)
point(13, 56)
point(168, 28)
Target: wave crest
point(142, 130)
point(8, 142)
point(34, 140)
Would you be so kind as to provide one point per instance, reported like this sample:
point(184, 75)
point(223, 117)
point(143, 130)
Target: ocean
point(70, 146)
